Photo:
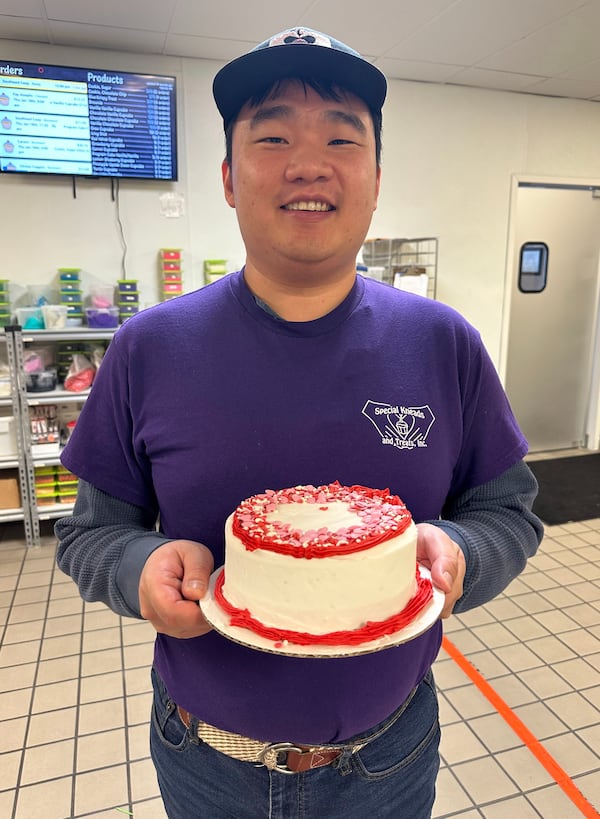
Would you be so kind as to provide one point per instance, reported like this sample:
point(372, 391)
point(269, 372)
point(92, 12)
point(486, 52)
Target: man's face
point(304, 182)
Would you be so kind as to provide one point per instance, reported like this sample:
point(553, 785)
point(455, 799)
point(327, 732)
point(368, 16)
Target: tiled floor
point(75, 694)
point(538, 646)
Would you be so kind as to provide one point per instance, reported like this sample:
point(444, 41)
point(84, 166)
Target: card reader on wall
point(533, 267)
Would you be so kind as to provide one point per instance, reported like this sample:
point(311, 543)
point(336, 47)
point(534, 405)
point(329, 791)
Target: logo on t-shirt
point(400, 426)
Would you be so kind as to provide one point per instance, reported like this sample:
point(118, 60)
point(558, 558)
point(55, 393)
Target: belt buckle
point(269, 756)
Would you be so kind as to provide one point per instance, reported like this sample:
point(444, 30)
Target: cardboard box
point(10, 496)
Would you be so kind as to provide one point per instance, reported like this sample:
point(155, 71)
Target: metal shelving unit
point(31, 512)
point(18, 402)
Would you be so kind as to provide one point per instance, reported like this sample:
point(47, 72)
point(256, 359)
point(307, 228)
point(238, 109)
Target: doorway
point(554, 295)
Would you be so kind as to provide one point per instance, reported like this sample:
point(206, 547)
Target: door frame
point(592, 425)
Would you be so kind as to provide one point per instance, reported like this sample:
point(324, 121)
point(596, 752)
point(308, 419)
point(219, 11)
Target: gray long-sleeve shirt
point(106, 542)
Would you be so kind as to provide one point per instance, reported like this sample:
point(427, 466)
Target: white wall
point(449, 156)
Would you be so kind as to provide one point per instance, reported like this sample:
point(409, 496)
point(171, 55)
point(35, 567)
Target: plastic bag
point(97, 356)
point(81, 374)
point(36, 359)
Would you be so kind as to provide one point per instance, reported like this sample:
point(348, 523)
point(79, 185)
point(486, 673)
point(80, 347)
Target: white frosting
point(319, 595)
point(334, 515)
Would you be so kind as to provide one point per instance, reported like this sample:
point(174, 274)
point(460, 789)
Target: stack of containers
point(102, 313)
point(171, 273)
point(65, 350)
point(4, 302)
point(71, 295)
point(214, 269)
point(66, 485)
point(45, 485)
point(54, 484)
point(128, 298)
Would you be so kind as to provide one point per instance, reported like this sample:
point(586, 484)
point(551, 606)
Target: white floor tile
point(537, 645)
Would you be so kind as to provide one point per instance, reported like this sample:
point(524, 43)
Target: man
point(268, 379)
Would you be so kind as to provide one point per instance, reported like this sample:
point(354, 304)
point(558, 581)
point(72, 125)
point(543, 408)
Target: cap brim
point(244, 77)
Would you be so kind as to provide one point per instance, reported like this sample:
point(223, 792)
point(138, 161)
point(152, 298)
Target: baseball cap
point(296, 53)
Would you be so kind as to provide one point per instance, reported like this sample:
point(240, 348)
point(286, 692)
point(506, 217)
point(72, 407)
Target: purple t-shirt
point(207, 399)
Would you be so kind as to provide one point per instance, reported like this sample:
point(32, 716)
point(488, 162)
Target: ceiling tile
point(555, 48)
point(471, 30)
point(416, 70)
point(228, 20)
point(205, 48)
point(583, 71)
point(119, 39)
point(499, 80)
point(22, 8)
point(23, 28)
point(346, 20)
point(134, 14)
point(561, 87)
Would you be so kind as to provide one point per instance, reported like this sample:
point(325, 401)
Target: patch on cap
point(301, 35)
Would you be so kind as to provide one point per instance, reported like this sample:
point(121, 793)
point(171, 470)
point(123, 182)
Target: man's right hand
point(173, 579)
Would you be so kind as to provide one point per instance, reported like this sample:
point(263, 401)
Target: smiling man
point(293, 370)
point(304, 180)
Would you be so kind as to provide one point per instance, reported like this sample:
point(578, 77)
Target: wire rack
point(404, 257)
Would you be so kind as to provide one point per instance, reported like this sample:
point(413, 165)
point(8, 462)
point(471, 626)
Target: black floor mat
point(569, 488)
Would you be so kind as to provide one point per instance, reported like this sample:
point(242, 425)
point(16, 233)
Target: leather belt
point(285, 757)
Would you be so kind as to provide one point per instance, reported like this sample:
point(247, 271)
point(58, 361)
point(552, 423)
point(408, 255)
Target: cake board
point(219, 620)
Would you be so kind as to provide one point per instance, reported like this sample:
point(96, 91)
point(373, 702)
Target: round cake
point(330, 565)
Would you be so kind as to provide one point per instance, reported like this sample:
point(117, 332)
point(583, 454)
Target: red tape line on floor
point(560, 776)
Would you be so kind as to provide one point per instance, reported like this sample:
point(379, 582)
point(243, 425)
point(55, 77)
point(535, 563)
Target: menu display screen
point(87, 122)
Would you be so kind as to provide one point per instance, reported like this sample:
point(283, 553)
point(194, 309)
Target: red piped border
point(370, 631)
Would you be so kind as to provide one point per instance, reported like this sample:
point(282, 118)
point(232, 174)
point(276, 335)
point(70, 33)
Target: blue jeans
point(393, 776)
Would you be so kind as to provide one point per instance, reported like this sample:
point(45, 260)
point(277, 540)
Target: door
point(552, 313)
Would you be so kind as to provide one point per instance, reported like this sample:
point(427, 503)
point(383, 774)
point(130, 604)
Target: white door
point(553, 313)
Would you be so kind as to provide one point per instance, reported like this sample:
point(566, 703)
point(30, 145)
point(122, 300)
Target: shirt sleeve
point(497, 530)
point(104, 545)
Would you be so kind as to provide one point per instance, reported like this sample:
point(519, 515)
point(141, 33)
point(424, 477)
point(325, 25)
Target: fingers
point(174, 578)
point(446, 561)
point(197, 570)
point(446, 569)
point(450, 572)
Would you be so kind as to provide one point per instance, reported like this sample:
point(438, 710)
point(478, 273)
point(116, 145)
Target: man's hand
point(446, 561)
point(173, 579)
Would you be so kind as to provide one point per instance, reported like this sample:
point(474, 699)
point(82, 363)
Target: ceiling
point(547, 47)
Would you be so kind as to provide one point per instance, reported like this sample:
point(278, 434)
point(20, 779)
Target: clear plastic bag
point(81, 374)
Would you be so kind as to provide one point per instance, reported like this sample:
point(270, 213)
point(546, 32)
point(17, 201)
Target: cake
point(326, 565)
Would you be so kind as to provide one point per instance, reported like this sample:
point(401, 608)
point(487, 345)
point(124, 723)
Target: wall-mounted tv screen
point(87, 122)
